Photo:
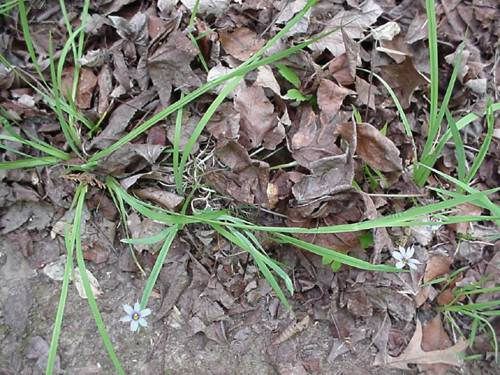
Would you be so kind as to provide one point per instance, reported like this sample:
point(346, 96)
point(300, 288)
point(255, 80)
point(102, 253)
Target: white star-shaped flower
point(135, 315)
point(404, 258)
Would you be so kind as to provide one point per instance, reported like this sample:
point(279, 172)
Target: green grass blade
point(29, 163)
point(459, 147)
point(434, 67)
point(88, 289)
point(397, 103)
point(155, 272)
point(178, 172)
point(69, 240)
point(478, 161)
point(23, 19)
point(335, 255)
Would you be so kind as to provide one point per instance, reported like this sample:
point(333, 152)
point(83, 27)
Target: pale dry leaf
point(266, 78)
point(94, 284)
point(413, 354)
point(353, 23)
point(387, 31)
point(166, 5)
point(292, 330)
point(215, 7)
point(241, 43)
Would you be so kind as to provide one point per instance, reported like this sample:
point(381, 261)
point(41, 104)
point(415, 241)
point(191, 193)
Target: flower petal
point(128, 309)
point(400, 265)
point(134, 325)
point(143, 322)
point(410, 251)
point(397, 255)
point(137, 307)
point(145, 312)
point(413, 261)
point(412, 266)
point(126, 319)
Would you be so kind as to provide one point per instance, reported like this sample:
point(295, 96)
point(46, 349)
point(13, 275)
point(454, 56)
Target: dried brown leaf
point(120, 118)
point(436, 266)
point(330, 98)
point(404, 79)
point(168, 66)
point(377, 150)
point(165, 199)
point(241, 43)
point(257, 116)
point(413, 354)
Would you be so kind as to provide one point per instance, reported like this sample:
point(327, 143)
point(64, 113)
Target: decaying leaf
point(292, 330)
point(168, 66)
point(330, 97)
point(353, 23)
point(414, 354)
point(437, 265)
point(404, 79)
point(247, 180)
point(376, 149)
point(257, 117)
point(241, 43)
point(120, 119)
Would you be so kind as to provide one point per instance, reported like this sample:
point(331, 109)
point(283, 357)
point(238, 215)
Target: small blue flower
point(404, 258)
point(135, 316)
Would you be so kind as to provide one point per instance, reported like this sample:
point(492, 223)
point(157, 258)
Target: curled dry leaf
point(293, 330)
point(241, 43)
point(376, 149)
point(436, 266)
point(330, 98)
point(168, 66)
point(86, 84)
point(414, 354)
point(257, 117)
point(165, 199)
point(404, 79)
point(120, 119)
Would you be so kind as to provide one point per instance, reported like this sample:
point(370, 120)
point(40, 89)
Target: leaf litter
point(304, 159)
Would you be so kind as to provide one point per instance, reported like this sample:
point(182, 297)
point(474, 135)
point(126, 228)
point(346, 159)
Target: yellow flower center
point(135, 316)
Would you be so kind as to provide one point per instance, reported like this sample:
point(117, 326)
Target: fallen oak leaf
point(414, 353)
